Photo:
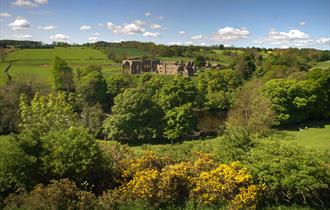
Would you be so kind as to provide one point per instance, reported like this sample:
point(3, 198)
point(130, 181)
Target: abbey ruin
point(138, 66)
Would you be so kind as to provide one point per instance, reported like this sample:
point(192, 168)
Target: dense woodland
point(58, 156)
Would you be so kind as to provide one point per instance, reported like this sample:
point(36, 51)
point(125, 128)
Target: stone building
point(137, 66)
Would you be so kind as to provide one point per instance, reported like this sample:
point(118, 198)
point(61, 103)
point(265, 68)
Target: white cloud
point(293, 37)
point(5, 14)
point(19, 24)
point(96, 34)
point(29, 3)
point(135, 27)
point(41, 1)
point(151, 34)
point(147, 14)
point(93, 39)
point(188, 43)
point(323, 40)
point(22, 36)
point(302, 23)
point(160, 17)
point(47, 28)
point(59, 37)
point(155, 26)
point(197, 37)
point(230, 33)
point(182, 32)
point(100, 24)
point(174, 43)
point(85, 27)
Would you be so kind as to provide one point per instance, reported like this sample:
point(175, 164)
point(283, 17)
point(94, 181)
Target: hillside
point(36, 64)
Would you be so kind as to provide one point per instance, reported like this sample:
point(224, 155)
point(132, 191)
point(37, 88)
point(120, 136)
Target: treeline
point(24, 44)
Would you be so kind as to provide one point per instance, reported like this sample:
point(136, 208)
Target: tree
point(135, 116)
point(177, 92)
point(200, 61)
point(179, 122)
point(295, 101)
point(252, 112)
point(92, 88)
point(15, 167)
point(72, 153)
point(216, 89)
point(63, 76)
point(245, 66)
point(9, 105)
point(92, 118)
point(117, 84)
point(45, 113)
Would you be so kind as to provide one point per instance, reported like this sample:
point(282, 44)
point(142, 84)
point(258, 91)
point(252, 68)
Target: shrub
point(60, 195)
point(289, 172)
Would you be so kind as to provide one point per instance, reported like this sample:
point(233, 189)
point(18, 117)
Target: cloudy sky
point(263, 23)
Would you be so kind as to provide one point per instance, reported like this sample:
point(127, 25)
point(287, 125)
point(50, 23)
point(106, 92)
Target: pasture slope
point(36, 64)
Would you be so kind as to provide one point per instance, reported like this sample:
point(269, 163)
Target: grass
point(36, 64)
point(315, 137)
point(322, 65)
point(67, 53)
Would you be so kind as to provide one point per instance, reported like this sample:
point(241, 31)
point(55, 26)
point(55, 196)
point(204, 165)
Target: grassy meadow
point(36, 64)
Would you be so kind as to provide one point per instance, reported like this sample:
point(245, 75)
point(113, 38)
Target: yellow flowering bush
point(149, 160)
point(222, 184)
point(246, 198)
point(143, 185)
point(175, 182)
point(158, 181)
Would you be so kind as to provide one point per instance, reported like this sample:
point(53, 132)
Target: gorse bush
point(203, 180)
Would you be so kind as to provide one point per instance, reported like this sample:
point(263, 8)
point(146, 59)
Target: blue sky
point(263, 23)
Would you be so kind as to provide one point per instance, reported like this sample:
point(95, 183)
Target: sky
point(241, 23)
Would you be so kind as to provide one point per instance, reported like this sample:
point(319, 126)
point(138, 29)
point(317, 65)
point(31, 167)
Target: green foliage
point(322, 77)
point(15, 167)
point(92, 87)
point(296, 101)
point(179, 122)
point(46, 113)
point(245, 65)
point(289, 172)
point(92, 118)
point(245, 115)
point(63, 76)
point(200, 61)
point(216, 89)
point(117, 85)
point(60, 195)
point(135, 116)
point(177, 92)
point(72, 152)
point(9, 101)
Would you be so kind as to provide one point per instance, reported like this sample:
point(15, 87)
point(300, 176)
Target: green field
point(313, 137)
point(323, 65)
point(35, 64)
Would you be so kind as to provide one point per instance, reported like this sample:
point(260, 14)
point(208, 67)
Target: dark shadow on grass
point(297, 127)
